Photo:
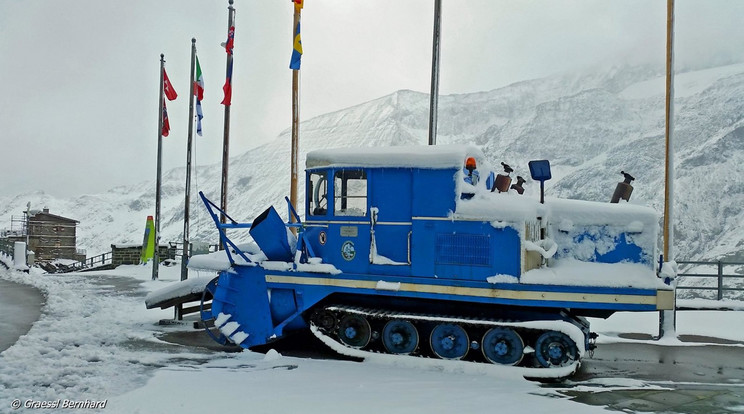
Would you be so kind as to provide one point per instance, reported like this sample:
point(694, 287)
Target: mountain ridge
point(590, 125)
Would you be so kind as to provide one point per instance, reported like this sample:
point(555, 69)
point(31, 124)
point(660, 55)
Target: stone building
point(52, 237)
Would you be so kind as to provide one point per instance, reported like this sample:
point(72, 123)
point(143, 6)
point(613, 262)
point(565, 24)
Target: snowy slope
point(589, 125)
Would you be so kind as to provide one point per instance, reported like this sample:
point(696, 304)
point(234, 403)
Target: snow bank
point(573, 272)
point(564, 214)
point(416, 156)
point(700, 323)
point(255, 383)
point(723, 304)
point(181, 289)
point(507, 207)
point(219, 261)
point(94, 339)
point(216, 261)
point(631, 217)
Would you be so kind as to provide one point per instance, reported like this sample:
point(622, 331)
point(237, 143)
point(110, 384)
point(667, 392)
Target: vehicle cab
point(393, 211)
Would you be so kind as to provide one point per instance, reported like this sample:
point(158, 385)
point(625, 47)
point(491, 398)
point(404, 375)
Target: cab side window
point(317, 196)
point(350, 193)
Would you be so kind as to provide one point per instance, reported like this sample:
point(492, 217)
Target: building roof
point(36, 217)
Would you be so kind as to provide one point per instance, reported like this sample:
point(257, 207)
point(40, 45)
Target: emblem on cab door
point(348, 251)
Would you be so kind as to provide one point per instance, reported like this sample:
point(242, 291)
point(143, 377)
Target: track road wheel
point(449, 341)
point(354, 331)
point(205, 313)
point(503, 346)
point(324, 319)
point(555, 349)
point(400, 337)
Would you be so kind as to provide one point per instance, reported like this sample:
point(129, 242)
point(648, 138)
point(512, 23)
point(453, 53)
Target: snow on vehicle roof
point(415, 156)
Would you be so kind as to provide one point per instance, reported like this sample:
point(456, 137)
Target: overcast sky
point(78, 108)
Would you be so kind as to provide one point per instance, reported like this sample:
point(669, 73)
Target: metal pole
point(187, 197)
point(720, 280)
point(668, 132)
point(28, 227)
point(226, 136)
point(295, 125)
point(434, 95)
point(669, 155)
point(156, 256)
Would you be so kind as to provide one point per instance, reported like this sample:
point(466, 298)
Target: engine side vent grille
point(463, 249)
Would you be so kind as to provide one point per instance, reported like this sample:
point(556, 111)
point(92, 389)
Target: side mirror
point(540, 171)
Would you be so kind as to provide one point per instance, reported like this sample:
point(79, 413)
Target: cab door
point(348, 226)
point(390, 215)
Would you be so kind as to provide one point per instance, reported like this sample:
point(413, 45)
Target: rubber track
point(536, 327)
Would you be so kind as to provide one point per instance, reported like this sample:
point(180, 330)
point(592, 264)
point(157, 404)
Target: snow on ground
point(95, 340)
point(253, 383)
point(90, 338)
point(703, 323)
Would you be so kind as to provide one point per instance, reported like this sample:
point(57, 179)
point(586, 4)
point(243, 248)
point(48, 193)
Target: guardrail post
point(720, 280)
point(19, 255)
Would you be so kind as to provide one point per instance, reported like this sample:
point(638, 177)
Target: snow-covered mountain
point(589, 125)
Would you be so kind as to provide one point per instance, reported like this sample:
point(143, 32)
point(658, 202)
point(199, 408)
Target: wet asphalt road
point(706, 379)
point(705, 364)
point(20, 306)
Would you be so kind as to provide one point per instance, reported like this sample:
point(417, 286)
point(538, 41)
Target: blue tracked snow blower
point(403, 251)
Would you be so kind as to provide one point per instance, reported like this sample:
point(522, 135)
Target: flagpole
point(434, 94)
point(669, 167)
point(156, 255)
point(226, 136)
point(668, 132)
point(295, 122)
point(187, 196)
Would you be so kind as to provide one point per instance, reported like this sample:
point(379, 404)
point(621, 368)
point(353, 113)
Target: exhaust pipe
point(623, 189)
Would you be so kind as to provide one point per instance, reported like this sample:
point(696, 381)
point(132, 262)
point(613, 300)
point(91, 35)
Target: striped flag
point(294, 63)
point(199, 92)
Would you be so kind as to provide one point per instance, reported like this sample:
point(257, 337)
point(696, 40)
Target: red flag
point(170, 93)
point(166, 124)
point(230, 40)
point(227, 88)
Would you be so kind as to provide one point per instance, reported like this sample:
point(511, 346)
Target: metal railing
point(716, 279)
point(193, 249)
point(99, 260)
point(7, 247)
